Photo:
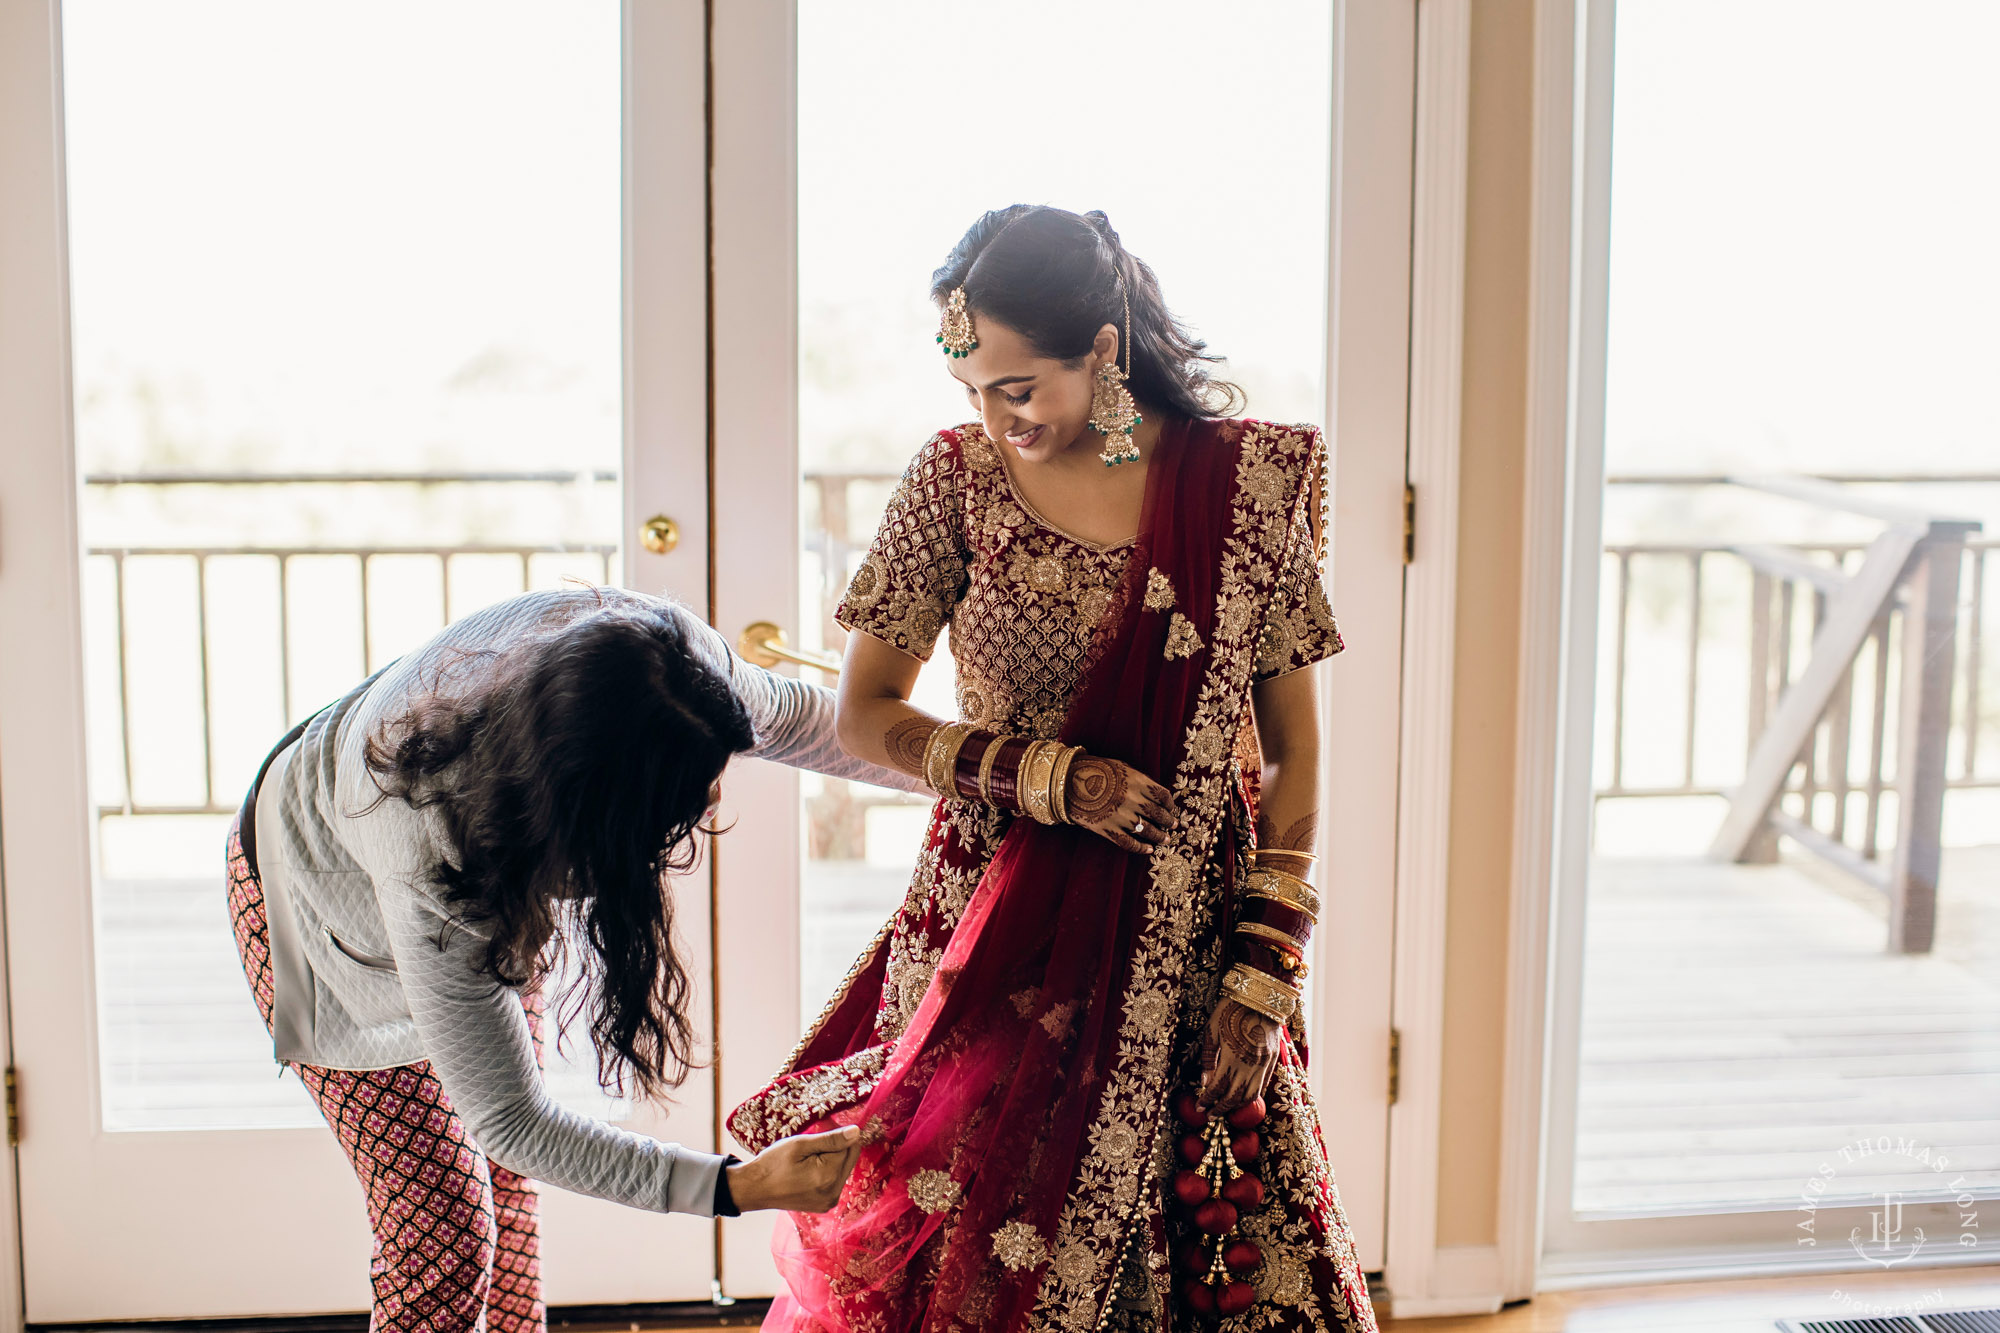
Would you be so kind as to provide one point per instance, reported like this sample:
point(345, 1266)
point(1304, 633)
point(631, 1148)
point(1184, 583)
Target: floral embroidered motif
point(1159, 591)
point(933, 1191)
point(1074, 1262)
point(1172, 872)
point(1150, 1008)
point(1266, 485)
point(1092, 604)
point(1048, 574)
point(1018, 1245)
point(1208, 747)
point(1056, 1019)
point(1182, 639)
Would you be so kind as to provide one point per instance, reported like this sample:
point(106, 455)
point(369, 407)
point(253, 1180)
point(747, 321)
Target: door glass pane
point(345, 284)
point(1801, 285)
point(1229, 207)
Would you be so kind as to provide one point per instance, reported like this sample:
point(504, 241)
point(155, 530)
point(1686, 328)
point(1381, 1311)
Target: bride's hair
point(571, 772)
point(1053, 276)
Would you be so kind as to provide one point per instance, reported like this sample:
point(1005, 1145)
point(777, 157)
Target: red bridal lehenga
point(1011, 1041)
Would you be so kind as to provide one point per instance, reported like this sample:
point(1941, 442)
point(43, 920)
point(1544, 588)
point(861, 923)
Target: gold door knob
point(660, 534)
point(763, 643)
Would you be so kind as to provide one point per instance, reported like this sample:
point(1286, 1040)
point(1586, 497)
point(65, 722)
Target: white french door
point(316, 334)
point(843, 175)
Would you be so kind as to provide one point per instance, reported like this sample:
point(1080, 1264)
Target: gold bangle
point(1259, 931)
point(1059, 783)
point(1279, 887)
point(986, 762)
point(941, 756)
point(1272, 858)
point(1260, 991)
point(1033, 783)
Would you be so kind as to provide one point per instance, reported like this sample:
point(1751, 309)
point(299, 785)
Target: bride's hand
point(1119, 803)
point(804, 1173)
point(1238, 1055)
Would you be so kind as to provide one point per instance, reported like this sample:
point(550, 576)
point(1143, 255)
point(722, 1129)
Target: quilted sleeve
point(915, 570)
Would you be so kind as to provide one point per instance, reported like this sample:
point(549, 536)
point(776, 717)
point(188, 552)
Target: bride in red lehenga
point(1074, 1052)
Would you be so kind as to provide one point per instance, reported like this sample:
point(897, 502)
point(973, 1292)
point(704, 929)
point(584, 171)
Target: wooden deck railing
point(1866, 709)
point(1831, 794)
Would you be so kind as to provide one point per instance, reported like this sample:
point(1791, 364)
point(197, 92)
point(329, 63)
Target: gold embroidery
point(1150, 1008)
point(1018, 1245)
point(1074, 1262)
point(1159, 591)
point(933, 1191)
point(1208, 747)
point(1266, 485)
point(1056, 1019)
point(1182, 640)
point(1048, 574)
point(1092, 604)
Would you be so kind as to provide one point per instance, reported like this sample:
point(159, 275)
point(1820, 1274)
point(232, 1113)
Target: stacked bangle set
point(1277, 914)
point(1008, 772)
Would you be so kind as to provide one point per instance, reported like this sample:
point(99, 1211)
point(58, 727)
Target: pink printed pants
point(455, 1235)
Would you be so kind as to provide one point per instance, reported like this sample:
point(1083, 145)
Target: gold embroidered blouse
point(959, 546)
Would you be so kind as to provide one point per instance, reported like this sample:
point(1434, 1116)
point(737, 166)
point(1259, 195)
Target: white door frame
point(755, 340)
point(1563, 542)
point(38, 478)
point(1367, 416)
point(754, 472)
point(215, 1184)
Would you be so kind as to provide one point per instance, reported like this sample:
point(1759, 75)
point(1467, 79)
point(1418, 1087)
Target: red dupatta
point(1015, 1121)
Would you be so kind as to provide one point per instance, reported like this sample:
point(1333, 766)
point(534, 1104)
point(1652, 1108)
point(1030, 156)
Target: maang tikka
point(955, 329)
point(1113, 413)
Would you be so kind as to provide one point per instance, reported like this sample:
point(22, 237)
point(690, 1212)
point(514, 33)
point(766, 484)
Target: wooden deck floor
point(1740, 1024)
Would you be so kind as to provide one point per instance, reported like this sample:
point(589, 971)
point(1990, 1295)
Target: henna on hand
point(1246, 1033)
point(907, 741)
point(1298, 838)
point(1096, 789)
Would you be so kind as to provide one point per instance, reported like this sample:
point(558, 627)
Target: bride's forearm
point(874, 717)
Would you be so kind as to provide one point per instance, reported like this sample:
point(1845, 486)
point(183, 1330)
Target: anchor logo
point(1886, 1231)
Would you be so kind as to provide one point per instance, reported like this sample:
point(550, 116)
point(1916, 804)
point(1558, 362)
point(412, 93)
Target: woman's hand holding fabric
point(1238, 1055)
point(1119, 803)
point(803, 1174)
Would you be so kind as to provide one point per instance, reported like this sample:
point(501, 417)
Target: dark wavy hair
point(572, 773)
point(1054, 277)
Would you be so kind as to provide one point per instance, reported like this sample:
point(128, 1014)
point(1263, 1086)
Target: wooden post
point(1930, 636)
point(1762, 848)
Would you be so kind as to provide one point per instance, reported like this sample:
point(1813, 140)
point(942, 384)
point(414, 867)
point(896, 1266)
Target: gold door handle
point(660, 534)
point(763, 643)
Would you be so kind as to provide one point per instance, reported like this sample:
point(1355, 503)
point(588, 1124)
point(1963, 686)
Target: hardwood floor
point(1743, 1305)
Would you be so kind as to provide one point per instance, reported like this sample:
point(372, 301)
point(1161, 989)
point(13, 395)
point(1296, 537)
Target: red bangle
point(965, 773)
point(1278, 916)
point(1006, 778)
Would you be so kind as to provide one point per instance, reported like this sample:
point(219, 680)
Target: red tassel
point(1242, 1256)
point(1249, 1115)
point(1193, 1149)
point(1198, 1294)
point(1191, 1187)
point(1215, 1216)
point(1244, 1148)
point(1235, 1298)
point(1190, 1110)
point(1246, 1192)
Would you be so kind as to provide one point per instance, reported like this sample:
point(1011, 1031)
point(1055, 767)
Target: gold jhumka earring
point(955, 329)
point(1113, 413)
